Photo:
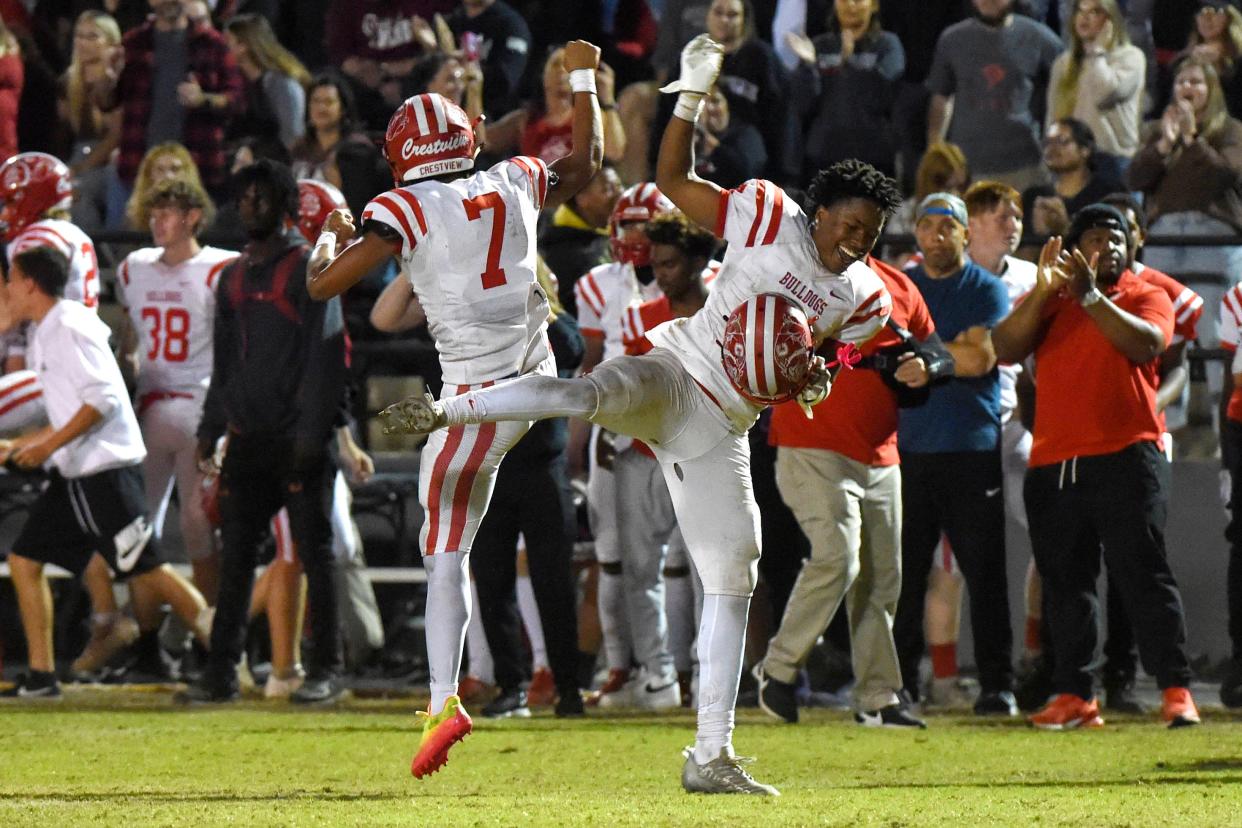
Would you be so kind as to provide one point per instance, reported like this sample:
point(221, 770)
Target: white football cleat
point(413, 415)
point(724, 774)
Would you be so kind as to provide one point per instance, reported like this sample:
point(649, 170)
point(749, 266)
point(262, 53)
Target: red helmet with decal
point(767, 349)
point(428, 135)
point(316, 199)
point(31, 184)
point(637, 205)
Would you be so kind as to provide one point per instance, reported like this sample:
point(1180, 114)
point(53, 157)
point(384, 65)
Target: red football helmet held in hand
point(767, 349)
point(31, 184)
point(428, 135)
point(316, 199)
point(637, 205)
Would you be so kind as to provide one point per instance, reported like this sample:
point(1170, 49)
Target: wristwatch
point(1091, 297)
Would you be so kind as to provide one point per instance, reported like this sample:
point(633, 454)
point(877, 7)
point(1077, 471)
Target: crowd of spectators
point(1061, 103)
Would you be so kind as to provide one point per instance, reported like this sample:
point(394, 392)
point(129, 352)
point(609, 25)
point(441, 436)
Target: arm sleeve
point(93, 371)
point(890, 58)
point(1115, 78)
point(755, 214)
point(872, 309)
point(215, 417)
point(940, 80)
point(590, 301)
point(530, 175)
point(401, 211)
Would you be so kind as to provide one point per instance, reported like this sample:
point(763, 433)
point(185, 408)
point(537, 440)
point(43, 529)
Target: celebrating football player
point(787, 279)
point(466, 243)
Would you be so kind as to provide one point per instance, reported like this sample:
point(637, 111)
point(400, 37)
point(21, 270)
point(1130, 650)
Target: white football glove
point(817, 387)
point(700, 65)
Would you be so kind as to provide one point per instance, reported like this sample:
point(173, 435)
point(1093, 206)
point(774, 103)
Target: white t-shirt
point(468, 249)
point(69, 352)
point(173, 311)
point(1019, 278)
point(771, 251)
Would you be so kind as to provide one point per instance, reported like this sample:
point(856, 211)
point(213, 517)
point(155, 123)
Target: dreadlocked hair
point(677, 230)
point(854, 179)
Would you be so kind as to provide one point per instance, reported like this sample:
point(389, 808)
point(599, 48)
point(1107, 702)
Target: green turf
point(109, 758)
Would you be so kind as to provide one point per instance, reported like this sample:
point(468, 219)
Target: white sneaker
point(657, 694)
point(283, 688)
point(623, 696)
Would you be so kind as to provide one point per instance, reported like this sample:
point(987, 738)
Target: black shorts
point(104, 512)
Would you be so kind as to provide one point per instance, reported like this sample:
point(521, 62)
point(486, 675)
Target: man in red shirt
point(1098, 479)
point(839, 475)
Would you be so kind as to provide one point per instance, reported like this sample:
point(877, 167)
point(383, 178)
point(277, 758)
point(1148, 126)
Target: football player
point(682, 401)
point(466, 243)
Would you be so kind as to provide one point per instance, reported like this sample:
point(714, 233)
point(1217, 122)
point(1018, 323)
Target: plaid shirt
point(209, 60)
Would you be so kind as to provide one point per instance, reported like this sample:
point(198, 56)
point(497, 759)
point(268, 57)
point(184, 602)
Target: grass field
point(109, 757)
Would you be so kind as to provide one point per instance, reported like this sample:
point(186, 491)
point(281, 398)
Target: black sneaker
point(569, 705)
point(1231, 684)
point(1120, 697)
point(776, 698)
point(321, 690)
point(895, 716)
point(34, 685)
point(999, 703)
point(509, 704)
point(1033, 684)
point(210, 690)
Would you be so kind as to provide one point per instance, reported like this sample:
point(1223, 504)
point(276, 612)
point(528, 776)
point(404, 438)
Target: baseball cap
point(1095, 216)
point(942, 204)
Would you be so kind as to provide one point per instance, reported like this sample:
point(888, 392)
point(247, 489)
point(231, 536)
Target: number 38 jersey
point(83, 284)
point(467, 247)
point(173, 310)
point(771, 250)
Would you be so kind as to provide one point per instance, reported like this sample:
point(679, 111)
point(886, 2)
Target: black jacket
point(278, 368)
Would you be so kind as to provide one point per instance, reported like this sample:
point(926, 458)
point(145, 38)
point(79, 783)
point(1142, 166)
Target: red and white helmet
point(767, 349)
point(637, 204)
point(428, 135)
point(31, 183)
point(316, 199)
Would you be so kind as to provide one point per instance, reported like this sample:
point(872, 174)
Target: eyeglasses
point(1064, 141)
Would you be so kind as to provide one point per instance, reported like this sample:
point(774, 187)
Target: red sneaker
point(616, 680)
point(542, 690)
point(1178, 708)
point(1067, 712)
point(440, 732)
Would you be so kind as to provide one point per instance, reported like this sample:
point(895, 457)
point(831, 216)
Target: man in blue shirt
point(950, 457)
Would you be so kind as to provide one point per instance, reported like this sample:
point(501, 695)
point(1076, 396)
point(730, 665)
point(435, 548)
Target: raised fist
point(700, 65)
point(581, 55)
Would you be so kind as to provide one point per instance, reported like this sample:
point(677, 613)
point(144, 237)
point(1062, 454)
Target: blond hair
point(76, 94)
point(1065, 96)
point(136, 214)
point(1215, 113)
point(937, 168)
point(255, 34)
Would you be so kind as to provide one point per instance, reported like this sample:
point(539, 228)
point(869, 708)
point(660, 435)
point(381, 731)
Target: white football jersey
point(771, 251)
point(1019, 279)
point(468, 249)
point(603, 294)
point(83, 285)
point(173, 311)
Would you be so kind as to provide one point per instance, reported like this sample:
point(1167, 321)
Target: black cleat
point(210, 690)
point(34, 686)
point(570, 706)
point(999, 703)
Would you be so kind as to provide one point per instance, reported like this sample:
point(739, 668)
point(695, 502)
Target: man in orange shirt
point(839, 475)
point(1098, 479)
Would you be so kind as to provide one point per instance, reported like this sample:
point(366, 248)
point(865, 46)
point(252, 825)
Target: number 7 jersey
point(467, 247)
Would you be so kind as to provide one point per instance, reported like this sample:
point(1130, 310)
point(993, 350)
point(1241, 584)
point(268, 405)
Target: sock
point(446, 619)
point(529, 610)
point(722, 635)
point(944, 660)
point(481, 665)
point(532, 397)
point(679, 607)
point(1034, 642)
point(613, 621)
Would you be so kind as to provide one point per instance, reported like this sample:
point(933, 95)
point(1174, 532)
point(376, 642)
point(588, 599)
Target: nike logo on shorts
point(131, 541)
